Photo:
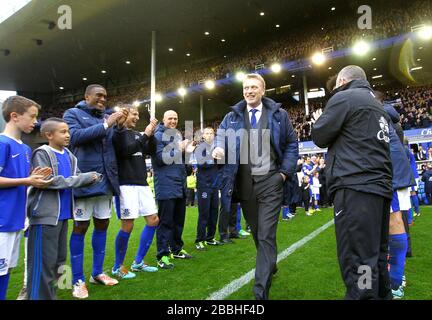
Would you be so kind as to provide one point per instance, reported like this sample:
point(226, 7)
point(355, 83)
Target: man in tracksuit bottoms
point(50, 209)
point(208, 193)
point(170, 174)
point(355, 128)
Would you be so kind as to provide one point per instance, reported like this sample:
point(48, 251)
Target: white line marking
point(236, 284)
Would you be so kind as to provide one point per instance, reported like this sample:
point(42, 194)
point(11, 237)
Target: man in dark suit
point(261, 155)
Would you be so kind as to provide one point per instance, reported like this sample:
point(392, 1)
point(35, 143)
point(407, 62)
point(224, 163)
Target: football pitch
point(309, 272)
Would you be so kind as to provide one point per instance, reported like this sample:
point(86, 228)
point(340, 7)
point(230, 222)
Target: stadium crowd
point(415, 109)
point(413, 104)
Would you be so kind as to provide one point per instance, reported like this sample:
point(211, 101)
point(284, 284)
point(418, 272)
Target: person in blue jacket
point(170, 173)
point(208, 194)
point(427, 179)
point(91, 142)
point(257, 142)
point(402, 181)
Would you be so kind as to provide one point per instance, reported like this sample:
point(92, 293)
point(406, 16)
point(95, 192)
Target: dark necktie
point(253, 118)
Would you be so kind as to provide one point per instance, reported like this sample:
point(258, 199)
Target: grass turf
point(311, 272)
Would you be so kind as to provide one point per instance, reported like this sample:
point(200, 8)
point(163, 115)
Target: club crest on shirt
point(3, 264)
point(79, 213)
point(204, 195)
point(126, 212)
point(383, 134)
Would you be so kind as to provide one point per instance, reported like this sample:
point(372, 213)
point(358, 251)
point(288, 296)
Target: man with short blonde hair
point(257, 77)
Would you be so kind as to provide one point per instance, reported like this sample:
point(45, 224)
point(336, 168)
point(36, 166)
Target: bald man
point(170, 174)
point(355, 128)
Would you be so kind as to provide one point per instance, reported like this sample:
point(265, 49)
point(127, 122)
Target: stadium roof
point(36, 56)
point(10, 7)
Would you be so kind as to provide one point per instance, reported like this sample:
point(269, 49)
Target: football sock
point(415, 202)
point(397, 250)
point(121, 245)
point(238, 225)
point(77, 256)
point(410, 216)
point(4, 282)
point(98, 243)
point(145, 242)
point(285, 212)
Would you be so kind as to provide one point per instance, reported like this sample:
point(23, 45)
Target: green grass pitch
point(311, 272)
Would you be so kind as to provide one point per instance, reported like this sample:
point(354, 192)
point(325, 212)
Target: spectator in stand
point(427, 179)
point(305, 188)
point(421, 153)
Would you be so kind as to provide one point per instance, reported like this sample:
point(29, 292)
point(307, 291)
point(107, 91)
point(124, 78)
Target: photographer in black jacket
point(354, 127)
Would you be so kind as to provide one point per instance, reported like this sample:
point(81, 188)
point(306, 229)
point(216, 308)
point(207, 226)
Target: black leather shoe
point(237, 236)
point(226, 241)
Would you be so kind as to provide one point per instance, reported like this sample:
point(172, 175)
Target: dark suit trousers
point(261, 212)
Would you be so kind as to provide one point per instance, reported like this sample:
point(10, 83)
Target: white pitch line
point(236, 284)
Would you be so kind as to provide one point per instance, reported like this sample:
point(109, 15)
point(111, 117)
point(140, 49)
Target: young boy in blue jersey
point(50, 208)
point(20, 115)
point(136, 197)
point(315, 187)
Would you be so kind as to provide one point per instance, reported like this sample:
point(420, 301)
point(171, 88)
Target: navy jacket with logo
point(207, 167)
point(91, 143)
point(355, 128)
point(282, 137)
point(169, 179)
point(427, 179)
point(402, 174)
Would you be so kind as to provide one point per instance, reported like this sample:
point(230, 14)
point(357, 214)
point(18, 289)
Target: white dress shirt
point(257, 114)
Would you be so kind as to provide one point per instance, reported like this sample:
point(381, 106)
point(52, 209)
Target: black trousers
point(190, 197)
point(362, 228)
point(306, 201)
point(171, 214)
point(429, 198)
point(261, 211)
point(324, 200)
point(228, 221)
point(208, 205)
